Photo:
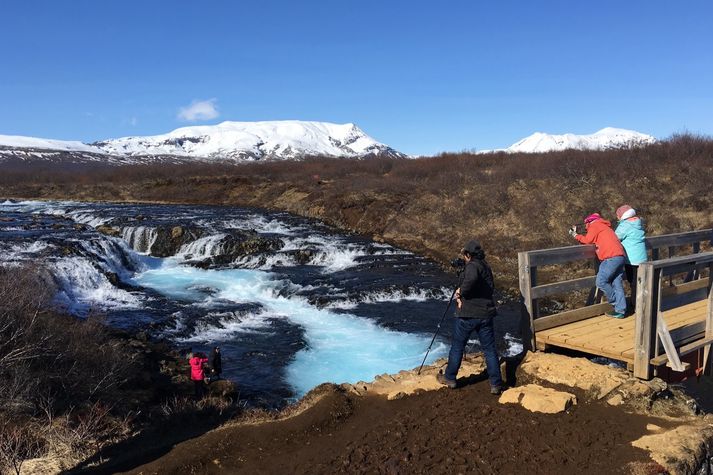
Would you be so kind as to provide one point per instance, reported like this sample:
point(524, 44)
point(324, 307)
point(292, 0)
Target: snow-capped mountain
point(286, 139)
point(606, 138)
point(227, 141)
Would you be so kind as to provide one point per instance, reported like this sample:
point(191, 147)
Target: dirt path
point(444, 431)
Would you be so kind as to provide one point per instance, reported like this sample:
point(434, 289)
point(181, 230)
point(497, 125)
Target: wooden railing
point(655, 344)
point(532, 291)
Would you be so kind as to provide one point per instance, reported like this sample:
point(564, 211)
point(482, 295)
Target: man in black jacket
point(475, 313)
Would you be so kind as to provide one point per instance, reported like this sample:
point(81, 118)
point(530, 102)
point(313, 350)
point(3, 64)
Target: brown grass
point(430, 205)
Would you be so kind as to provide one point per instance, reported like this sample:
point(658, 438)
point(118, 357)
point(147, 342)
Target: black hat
point(471, 247)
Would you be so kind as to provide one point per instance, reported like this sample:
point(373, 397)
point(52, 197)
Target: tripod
point(438, 328)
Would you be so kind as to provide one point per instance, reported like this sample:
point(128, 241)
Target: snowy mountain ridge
point(606, 138)
point(227, 141)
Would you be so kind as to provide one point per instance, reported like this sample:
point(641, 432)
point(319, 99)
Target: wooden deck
point(614, 338)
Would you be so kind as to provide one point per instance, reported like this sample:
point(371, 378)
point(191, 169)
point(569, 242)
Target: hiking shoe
point(441, 378)
point(496, 390)
point(615, 315)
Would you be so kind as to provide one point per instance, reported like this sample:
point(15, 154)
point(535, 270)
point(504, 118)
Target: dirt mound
point(444, 431)
point(407, 423)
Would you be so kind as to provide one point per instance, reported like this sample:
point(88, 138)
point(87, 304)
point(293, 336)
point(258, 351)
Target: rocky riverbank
point(154, 403)
point(407, 423)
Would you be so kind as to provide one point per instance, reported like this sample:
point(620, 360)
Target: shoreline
point(378, 426)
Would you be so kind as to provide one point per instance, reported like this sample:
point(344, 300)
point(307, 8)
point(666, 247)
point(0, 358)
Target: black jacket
point(476, 290)
point(217, 362)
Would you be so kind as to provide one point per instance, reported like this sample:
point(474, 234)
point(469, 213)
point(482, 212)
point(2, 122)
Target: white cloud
point(199, 110)
point(133, 121)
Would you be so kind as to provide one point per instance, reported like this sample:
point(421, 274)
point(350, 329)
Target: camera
point(458, 263)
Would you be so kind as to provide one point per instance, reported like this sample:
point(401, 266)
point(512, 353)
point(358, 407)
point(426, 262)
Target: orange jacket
point(601, 234)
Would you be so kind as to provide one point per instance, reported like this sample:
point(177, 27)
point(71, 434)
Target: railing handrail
point(679, 239)
point(700, 258)
point(559, 255)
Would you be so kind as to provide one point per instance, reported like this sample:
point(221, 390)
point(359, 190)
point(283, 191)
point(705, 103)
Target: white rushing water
point(83, 287)
point(340, 347)
point(140, 238)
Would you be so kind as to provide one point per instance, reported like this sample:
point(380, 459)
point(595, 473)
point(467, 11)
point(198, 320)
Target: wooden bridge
point(674, 305)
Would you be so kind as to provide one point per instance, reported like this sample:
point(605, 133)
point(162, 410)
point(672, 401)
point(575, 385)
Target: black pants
point(198, 388)
point(630, 271)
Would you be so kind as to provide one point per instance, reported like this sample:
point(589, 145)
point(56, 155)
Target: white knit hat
point(630, 213)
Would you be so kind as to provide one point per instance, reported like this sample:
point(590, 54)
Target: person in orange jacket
point(611, 255)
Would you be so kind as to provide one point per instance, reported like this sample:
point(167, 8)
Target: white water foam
point(410, 294)
point(514, 346)
point(203, 248)
point(334, 254)
point(87, 218)
point(114, 255)
point(340, 347)
point(15, 254)
point(38, 207)
point(265, 262)
point(83, 287)
point(262, 225)
point(231, 326)
point(140, 238)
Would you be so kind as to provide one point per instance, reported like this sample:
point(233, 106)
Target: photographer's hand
point(573, 231)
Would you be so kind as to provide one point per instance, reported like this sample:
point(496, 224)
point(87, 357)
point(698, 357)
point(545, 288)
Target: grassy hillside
point(430, 205)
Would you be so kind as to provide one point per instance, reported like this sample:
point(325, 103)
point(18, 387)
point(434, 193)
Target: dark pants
point(198, 388)
point(462, 329)
point(631, 271)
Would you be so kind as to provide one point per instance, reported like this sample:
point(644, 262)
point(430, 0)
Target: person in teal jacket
point(631, 233)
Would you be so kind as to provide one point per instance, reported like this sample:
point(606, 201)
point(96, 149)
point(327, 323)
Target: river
point(291, 302)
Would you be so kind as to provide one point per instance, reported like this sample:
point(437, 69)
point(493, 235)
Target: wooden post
point(709, 321)
point(523, 259)
point(595, 294)
point(535, 301)
point(647, 304)
point(695, 273)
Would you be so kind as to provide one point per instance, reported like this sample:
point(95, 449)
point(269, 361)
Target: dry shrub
point(17, 444)
point(58, 374)
point(512, 202)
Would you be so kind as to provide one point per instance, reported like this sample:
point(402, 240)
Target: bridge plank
point(614, 338)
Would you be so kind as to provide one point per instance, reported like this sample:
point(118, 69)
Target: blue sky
point(421, 76)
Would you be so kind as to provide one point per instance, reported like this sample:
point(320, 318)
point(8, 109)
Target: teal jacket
point(631, 234)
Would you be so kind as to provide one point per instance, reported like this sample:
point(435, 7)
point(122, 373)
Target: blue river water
point(317, 306)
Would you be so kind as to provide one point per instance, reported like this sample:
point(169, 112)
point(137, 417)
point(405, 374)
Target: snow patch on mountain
point(604, 139)
point(19, 141)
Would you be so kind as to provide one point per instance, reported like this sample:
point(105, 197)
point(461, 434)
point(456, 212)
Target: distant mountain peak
point(606, 138)
point(226, 141)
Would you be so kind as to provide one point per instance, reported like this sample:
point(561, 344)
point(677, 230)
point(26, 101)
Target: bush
point(53, 368)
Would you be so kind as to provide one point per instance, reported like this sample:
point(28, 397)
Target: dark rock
point(222, 388)
point(238, 244)
point(108, 230)
point(112, 278)
point(303, 256)
point(169, 239)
